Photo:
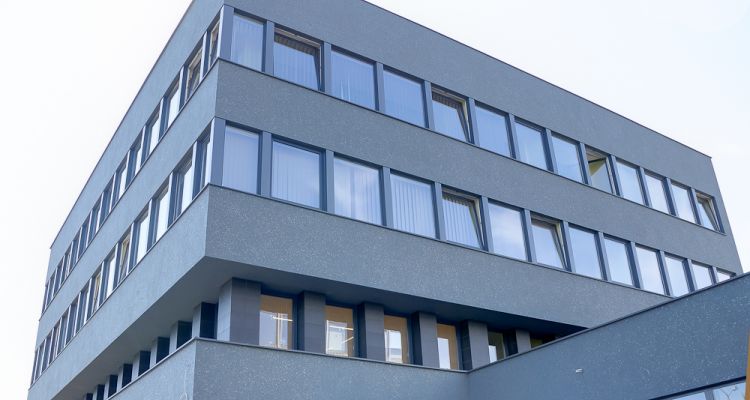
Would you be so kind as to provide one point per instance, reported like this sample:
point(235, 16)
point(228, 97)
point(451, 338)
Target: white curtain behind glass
point(295, 175)
point(403, 98)
point(412, 206)
point(295, 61)
point(353, 80)
point(356, 191)
point(240, 160)
point(247, 42)
point(461, 224)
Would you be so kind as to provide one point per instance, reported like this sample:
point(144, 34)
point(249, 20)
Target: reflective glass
point(447, 346)
point(240, 169)
point(295, 175)
point(412, 206)
point(730, 392)
point(567, 158)
point(276, 322)
point(296, 61)
point(702, 275)
point(142, 233)
point(356, 191)
point(403, 98)
point(547, 243)
point(461, 220)
point(722, 276)
point(396, 339)
point(598, 170)
point(656, 193)
point(507, 231)
point(173, 104)
point(247, 42)
point(161, 214)
point(706, 212)
point(353, 79)
point(676, 274)
point(339, 331)
point(449, 116)
point(183, 181)
point(492, 131)
point(683, 204)
point(618, 261)
point(584, 252)
point(193, 73)
point(648, 264)
point(630, 183)
point(531, 146)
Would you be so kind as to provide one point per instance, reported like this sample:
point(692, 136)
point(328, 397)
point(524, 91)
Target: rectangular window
point(447, 346)
point(413, 210)
point(134, 159)
point(121, 181)
point(63, 332)
point(353, 79)
point(213, 44)
point(297, 60)
point(548, 242)
point(492, 131)
point(110, 274)
point(567, 158)
point(94, 225)
point(618, 261)
point(630, 182)
point(339, 331)
point(193, 74)
point(657, 193)
point(82, 307)
point(496, 346)
point(183, 186)
point(160, 215)
point(449, 114)
point(735, 391)
point(295, 175)
point(202, 161)
point(240, 160)
point(95, 289)
point(247, 42)
point(72, 316)
point(396, 339)
point(508, 237)
point(461, 217)
point(682, 202)
point(153, 130)
point(599, 170)
point(648, 264)
point(722, 276)
point(74, 252)
point(106, 203)
point(53, 343)
point(702, 275)
point(706, 212)
point(141, 236)
point(276, 322)
point(403, 98)
point(173, 103)
point(531, 148)
point(584, 253)
point(676, 274)
point(123, 257)
point(356, 191)
point(84, 238)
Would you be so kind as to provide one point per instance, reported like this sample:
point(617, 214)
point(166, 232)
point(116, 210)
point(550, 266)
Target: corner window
point(213, 44)
point(141, 235)
point(706, 212)
point(183, 186)
point(276, 322)
point(339, 331)
point(657, 193)
point(531, 148)
point(461, 217)
point(160, 214)
point(567, 158)
point(403, 98)
point(630, 182)
point(295, 175)
point(702, 275)
point(722, 276)
point(153, 130)
point(356, 191)
point(413, 210)
point(682, 202)
point(241, 160)
point(297, 60)
point(492, 131)
point(584, 252)
point(447, 346)
point(449, 114)
point(396, 339)
point(648, 265)
point(507, 231)
point(676, 274)
point(247, 42)
point(548, 246)
point(193, 74)
point(173, 103)
point(353, 79)
point(599, 170)
point(618, 261)
point(496, 346)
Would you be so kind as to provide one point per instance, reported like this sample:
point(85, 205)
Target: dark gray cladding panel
point(278, 236)
point(695, 341)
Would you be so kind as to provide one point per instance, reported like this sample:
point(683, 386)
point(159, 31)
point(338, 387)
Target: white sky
point(70, 69)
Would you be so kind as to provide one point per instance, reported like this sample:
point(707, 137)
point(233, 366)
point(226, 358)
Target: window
point(247, 42)
point(735, 391)
point(507, 231)
point(403, 98)
point(213, 43)
point(141, 236)
point(160, 215)
point(449, 114)
point(531, 149)
point(339, 331)
point(461, 219)
point(356, 191)
point(702, 275)
point(492, 131)
point(396, 339)
point(82, 307)
point(183, 186)
point(656, 193)
point(193, 74)
point(134, 162)
point(110, 273)
point(599, 170)
point(567, 158)
point(295, 175)
point(683, 204)
point(618, 261)
point(547, 243)
point(121, 181)
point(630, 182)
point(706, 212)
point(94, 225)
point(123, 257)
point(584, 253)
point(106, 203)
point(173, 103)
point(241, 160)
point(694, 396)
point(74, 251)
point(63, 331)
point(676, 274)
point(73, 314)
point(447, 346)
point(83, 242)
point(722, 276)
point(276, 322)
point(538, 340)
point(297, 60)
point(153, 130)
point(352, 79)
point(202, 162)
point(53, 343)
point(412, 206)
point(95, 289)
point(648, 264)
point(496, 346)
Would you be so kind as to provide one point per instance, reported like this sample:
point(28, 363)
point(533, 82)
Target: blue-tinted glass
point(507, 231)
point(449, 117)
point(531, 146)
point(618, 261)
point(173, 104)
point(682, 203)
point(356, 191)
point(585, 256)
point(721, 276)
point(403, 98)
point(706, 212)
point(492, 131)
point(702, 275)
point(656, 193)
point(730, 392)
point(247, 42)
point(648, 264)
point(547, 243)
point(461, 221)
point(295, 175)
point(630, 183)
point(412, 206)
point(598, 171)
point(240, 160)
point(296, 61)
point(694, 396)
point(676, 274)
point(353, 80)
point(567, 161)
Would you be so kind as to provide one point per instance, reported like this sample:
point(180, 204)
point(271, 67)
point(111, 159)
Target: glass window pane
point(618, 261)
point(123, 256)
point(447, 346)
point(276, 322)
point(497, 347)
point(135, 158)
point(584, 252)
point(193, 73)
point(730, 392)
point(153, 130)
point(295, 175)
point(507, 231)
point(531, 146)
point(567, 158)
point(202, 160)
point(173, 104)
point(161, 214)
point(142, 234)
point(722, 276)
point(676, 275)
point(599, 170)
point(396, 339)
point(111, 271)
point(213, 42)
point(403, 98)
point(630, 183)
point(648, 264)
point(296, 61)
point(492, 131)
point(461, 220)
point(247, 42)
point(339, 331)
point(656, 193)
point(353, 79)
point(547, 243)
point(356, 191)
point(706, 212)
point(412, 206)
point(702, 275)
point(449, 116)
point(240, 160)
point(683, 204)
point(183, 187)
point(694, 396)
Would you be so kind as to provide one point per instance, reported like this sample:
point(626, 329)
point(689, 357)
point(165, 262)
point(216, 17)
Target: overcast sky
point(70, 69)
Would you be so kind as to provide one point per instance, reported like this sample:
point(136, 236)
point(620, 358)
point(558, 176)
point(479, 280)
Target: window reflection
point(339, 331)
point(676, 275)
point(567, 159)
point(396, 339)
point(297, 60)
point(460, 214)
point(707, 213)
point(701, 275)
point(656, 193)
point(630, 182)
point(584, 251)
point(618, 261)
point(352, 79)
point(507, 231)
point(247, 42)
point(683, 204)
point(449, 114)
point(648, 264)
point(599, 170)
point(240, 170)
point(295, 175)
point(275, 322)
point(403, 98)
point(531, 149)
point(356, 191)
point(547, 243)
point(492, 131)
